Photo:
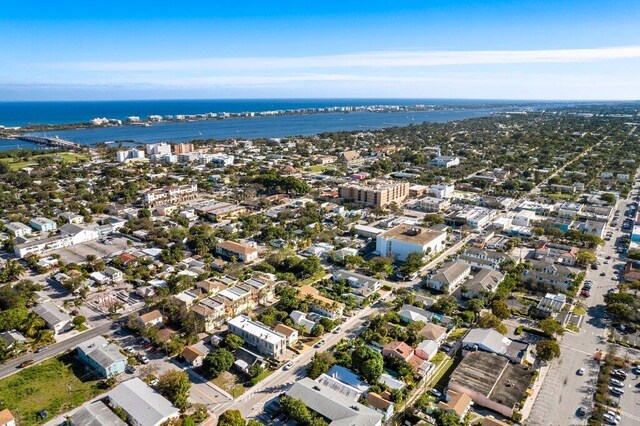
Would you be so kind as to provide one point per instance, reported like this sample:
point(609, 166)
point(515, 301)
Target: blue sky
point(558, 49)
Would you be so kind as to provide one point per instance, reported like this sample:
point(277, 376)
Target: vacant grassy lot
point(64, 157)
point(56, 385)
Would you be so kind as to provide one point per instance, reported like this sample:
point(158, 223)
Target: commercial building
point(489, 340)
point(182, 148)
point(492, 382)
point(102, 356)
point(231, 249)
point(142, 405)
point(442, 191)
point(404, 239)
point(335, 408)
point(18, 229)
point(445, 161)
point(375, 194)
point(43, 224)
point(171, 194)
point(258, 336)
point(433, 204)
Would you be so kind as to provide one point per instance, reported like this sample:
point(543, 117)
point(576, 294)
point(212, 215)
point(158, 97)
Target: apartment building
point(231, 249)
point(259, 336)
point(375, 194)
point(171, 194)
point(433, 204)
point(18, 229)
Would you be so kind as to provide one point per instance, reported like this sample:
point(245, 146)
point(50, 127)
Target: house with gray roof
point(142, 405)
point(449, 276)
point(486, 281)
point(56, 319)
point(411, 314)
point(335, 408)
point(102, 356)
point(95, 413)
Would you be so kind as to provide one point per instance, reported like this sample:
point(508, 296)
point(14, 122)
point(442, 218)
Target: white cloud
point(384, 59)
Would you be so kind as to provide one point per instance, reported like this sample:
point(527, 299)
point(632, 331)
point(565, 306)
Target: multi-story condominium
point(158, 149)
point(171, 194)
point(182, 148)
point(374, 194)
point(210, 313)
point(320, 304)
point(130, 155)
point(259, 336)
point(404, 239)
point(238, 251)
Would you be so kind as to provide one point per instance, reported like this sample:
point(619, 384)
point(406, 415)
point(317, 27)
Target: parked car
point(435, 392)
point(144, 359)
point(602, 274)
point(42, 349)
point(617, 383)
point(619, 373)
point(585, 293)
point(614, 415)
point(580, 372)
point(320, 343)
point(337, 330)
point(289, 365)
point(616, 391)
point(582, 411)
point(610, 419)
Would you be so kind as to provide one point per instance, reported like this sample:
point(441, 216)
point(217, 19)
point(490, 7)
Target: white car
point(614, 415)
point(617, 383)
point(289, 365)
point(337, 330)
point(580, 372)
point(616, 391)
point(610, 419)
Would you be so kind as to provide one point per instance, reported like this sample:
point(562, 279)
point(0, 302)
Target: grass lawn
point(56, 385)
point(443, 370)
point(230, 383)
point(456, 334)
point(318, 168)
point(579, 311)
point(64, 157)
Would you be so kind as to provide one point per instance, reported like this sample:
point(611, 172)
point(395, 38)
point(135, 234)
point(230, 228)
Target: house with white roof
point(259, 336)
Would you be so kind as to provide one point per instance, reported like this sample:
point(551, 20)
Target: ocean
point(21, 113)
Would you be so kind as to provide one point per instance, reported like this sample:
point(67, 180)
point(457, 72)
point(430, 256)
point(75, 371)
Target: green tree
point(233, 341)
point(188, 421)
point(231, 418)
point(368, 362)
point(217, 362)
point(317, 330)
point(500, 309)
point(551, 327)
point(489, 320)
point(414, 262)
point(79, 321)
point(548, 349)
point(585, 257)
point(295, 409)
point(175, 385)
point(381, 266)
point(320, 364)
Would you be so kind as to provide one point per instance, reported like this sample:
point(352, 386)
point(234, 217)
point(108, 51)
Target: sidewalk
point(530, 402)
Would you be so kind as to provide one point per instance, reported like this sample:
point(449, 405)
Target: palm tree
point(32, 324)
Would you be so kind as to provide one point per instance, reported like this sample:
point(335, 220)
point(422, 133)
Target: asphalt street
point(564, 391)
